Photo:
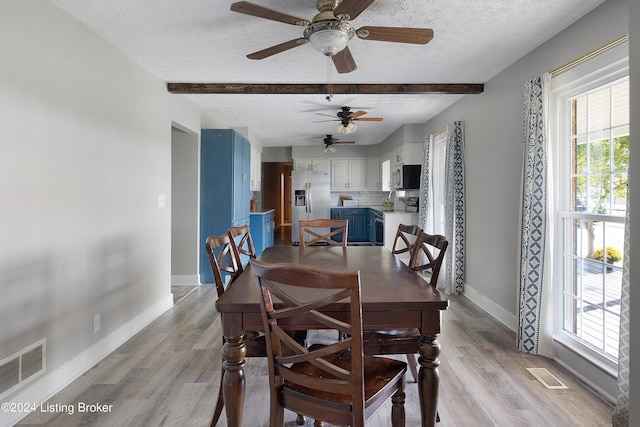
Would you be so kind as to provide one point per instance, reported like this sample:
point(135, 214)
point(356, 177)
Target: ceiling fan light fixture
point(350, 128)
point(329, 37)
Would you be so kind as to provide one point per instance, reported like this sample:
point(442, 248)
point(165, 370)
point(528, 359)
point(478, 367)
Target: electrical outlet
point(96, 323)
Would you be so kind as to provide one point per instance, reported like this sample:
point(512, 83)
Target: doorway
point(184, 207)
point(276, 190)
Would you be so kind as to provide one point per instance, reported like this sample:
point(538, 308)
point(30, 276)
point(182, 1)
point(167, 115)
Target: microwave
point(406, 177)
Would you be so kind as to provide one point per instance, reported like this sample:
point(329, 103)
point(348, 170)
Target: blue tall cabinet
point(225, 165)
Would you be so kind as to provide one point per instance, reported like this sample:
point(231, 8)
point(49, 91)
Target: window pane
point(599, 152)
point(579, 154)
point(620, 114)
point(621, 149)
point(599, 110)
point(579, 116)
point(579, 192)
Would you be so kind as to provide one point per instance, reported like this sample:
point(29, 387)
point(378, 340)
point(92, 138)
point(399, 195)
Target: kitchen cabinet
point(357, 217)
point(409, 153)
point(255, 174)
point(348, 175)
point(225, 163)
point(311, 164)
point(372, 179)
point(391, 222)
point(371, 226)
point(262, 226)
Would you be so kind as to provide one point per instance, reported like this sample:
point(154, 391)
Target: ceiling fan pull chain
point(329, 82)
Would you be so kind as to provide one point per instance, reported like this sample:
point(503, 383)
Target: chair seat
point(379, 372)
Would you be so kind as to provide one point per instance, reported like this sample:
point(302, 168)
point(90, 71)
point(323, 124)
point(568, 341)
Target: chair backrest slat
point(222, 262)
point(428, 255)
point(406, 237)
point(242, 245)
point(310, 234)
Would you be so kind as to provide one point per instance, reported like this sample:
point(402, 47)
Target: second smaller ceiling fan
point(346, 118)
point(330, 143)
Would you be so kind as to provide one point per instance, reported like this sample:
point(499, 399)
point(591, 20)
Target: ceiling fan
point(330, 142)
point(346, 117)
point(330, 30)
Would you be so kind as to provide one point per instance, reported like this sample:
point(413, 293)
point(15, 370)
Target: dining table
point(393, 296)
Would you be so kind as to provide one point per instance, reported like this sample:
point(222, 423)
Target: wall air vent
point(22, 367)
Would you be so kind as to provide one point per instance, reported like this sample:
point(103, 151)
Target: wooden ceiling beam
point(314, 89)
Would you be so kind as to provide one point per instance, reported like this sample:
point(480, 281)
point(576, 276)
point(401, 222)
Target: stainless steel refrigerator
point(311, 198)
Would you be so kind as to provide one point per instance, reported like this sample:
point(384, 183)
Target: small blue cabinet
point(225, 162)
point(261, 227)
point(358, 231)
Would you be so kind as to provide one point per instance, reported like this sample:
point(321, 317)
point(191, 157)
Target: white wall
point(493, 156)
point(85, 151)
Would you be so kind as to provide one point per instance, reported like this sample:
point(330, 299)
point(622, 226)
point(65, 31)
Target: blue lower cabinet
point(358, 231)
point(261, 226)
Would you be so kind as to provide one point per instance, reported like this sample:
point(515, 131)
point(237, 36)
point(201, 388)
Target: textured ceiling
point(203, 41)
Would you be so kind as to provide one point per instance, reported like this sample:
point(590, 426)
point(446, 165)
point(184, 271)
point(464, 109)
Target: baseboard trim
point(184, 280)
point(493, 309)
point(53, 382)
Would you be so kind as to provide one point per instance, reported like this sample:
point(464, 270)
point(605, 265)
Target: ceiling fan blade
point(344, 142)
point(344, 61)
point(265, 53)
point(369, 119)
point(357, 114)
point(351, 8)
point(322, 121)
point(326, 115)
point(262, 12)
point(396, 34)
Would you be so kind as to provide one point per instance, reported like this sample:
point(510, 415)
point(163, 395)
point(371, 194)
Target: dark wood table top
point(386, 283)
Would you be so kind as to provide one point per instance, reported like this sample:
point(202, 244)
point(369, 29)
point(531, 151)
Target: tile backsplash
point(373, 198)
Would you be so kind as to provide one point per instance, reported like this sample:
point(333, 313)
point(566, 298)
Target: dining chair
point(405, 240)
point(311, 235)
point(223, 262)
point(426, 258)
point(242, 245)
point(335, 383)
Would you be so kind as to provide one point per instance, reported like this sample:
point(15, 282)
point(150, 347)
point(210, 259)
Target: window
point(592, 147)
point(438, 150)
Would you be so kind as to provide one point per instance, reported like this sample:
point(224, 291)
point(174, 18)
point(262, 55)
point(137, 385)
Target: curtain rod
point(588, 56)
point(439, 131)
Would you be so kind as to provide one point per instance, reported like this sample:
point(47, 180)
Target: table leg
point(428, 378)
point(233, 352)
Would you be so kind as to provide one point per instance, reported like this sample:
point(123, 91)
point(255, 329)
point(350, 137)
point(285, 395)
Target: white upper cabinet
point(373, 180)
point(311, 164)
point(255, 173)
point(348, 174)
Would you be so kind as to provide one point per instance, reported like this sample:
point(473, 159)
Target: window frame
point(605, 69)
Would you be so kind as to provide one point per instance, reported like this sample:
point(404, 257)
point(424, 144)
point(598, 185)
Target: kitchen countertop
point(375, 207)
point(262, 211)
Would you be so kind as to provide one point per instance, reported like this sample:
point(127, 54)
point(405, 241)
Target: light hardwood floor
point(168, 375)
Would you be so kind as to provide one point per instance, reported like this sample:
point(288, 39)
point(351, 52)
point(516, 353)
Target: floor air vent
point(547, 379)
point(22, 367)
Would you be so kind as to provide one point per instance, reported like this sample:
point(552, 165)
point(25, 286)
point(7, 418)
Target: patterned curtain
point(454, 211)
point(534, 224)
point(425, 187)
point(621, 411)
